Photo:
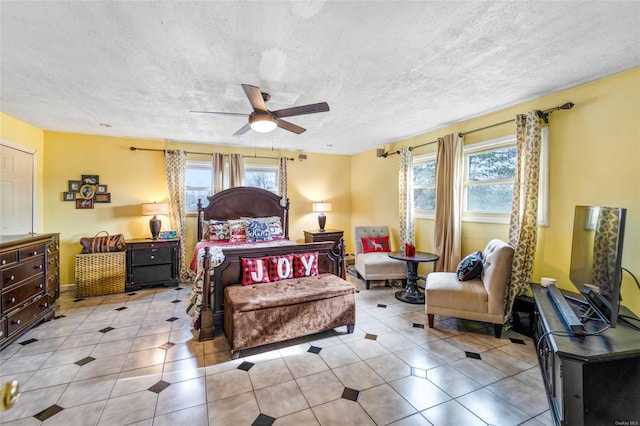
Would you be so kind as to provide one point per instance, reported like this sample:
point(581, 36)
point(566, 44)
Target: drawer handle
point(4, 262)
point(11, 278)
point(45, 305)
point(35, 253)
point(39, 286)
point(16, 322)
point(152, 257)
point(1, 333)
point(12, 300)
point(39, 267)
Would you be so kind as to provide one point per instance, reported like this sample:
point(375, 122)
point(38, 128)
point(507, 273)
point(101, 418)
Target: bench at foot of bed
point(259, 314)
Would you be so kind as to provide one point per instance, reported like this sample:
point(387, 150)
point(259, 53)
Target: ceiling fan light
point(262, 123)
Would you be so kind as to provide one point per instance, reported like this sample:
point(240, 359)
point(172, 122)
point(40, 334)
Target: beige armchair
point(480, 299)
point(376, 265)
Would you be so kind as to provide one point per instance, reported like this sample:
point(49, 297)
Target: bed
point(218, 263)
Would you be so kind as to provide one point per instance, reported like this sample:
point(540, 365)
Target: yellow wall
point(135, 177)
point(594, 159)
point(21, 133)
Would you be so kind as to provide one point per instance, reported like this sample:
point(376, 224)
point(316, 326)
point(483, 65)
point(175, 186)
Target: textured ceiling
point(388, 69)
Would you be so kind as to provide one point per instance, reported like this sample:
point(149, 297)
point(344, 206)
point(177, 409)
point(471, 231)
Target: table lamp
point(154, 209)
point(322, 207)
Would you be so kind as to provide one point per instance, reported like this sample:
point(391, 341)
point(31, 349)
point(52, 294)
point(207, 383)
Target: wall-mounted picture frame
point(90, 179)
point(102, 198)
point(82, 203)
point(69, 196)
point(87, 192)
point(101, 189)
point(74, 185)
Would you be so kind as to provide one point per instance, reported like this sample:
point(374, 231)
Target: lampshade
point(321, 207)
point(151, 209)
point(262, 122)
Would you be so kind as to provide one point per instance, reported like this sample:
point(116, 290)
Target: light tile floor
point(134, 359)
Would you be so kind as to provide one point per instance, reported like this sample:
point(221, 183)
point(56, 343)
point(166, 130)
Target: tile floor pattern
point(133, 359)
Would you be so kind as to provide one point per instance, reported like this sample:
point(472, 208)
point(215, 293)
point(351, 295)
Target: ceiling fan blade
point(302, 110)
point(243, 130)
point(220, 113)
point(291, 127)
point(255, 97)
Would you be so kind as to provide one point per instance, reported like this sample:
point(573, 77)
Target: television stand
point(589, 380)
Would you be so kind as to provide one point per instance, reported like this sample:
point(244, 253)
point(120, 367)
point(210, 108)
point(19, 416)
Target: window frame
point(494, 145)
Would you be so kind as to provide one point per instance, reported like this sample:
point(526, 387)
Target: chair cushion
point(378, 265)
point(443, 289)
point(470, 267)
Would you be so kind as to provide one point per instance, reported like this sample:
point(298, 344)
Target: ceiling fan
point(262, 120)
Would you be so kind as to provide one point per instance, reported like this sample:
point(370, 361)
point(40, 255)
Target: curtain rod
point(133, 148)
point(543, 115)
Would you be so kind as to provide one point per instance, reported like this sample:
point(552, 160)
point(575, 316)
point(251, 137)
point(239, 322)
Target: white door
point(16, 190)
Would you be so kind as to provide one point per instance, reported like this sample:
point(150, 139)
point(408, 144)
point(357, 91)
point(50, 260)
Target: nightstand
point(328, 235)
point(151, 263)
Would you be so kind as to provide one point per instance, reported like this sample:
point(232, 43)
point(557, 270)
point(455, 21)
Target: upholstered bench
point(271, 312)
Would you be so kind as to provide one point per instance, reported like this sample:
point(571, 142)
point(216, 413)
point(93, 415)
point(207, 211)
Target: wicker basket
point(100, 273)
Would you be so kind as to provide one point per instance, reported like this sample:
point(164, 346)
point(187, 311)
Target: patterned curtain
point(236, 170)
point(605, 249)
point(282, 181)
point(217, 177)
point(448, 224)
point(523, 226)
point(407, 230)
point(176, 162)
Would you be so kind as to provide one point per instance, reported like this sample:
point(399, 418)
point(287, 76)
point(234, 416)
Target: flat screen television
point(596, 258)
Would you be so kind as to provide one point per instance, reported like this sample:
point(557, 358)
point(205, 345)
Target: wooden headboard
point(243, 201)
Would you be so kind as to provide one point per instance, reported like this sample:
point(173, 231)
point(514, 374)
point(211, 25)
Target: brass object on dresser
point(30, 280)
point(326, 235)
point(151, 263)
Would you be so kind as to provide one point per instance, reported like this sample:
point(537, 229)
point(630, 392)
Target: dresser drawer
point(32, 251)
point(25, 269)
point(328, 236)
point(9, 257)
point(155, 273)
point(25, 316)
point(3, 329)
point(156, 256)
point(17, 296)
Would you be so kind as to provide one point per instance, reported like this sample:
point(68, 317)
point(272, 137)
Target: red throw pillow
point(375, 244)
point(305, 264)
point(280, 267)
point(255, 270)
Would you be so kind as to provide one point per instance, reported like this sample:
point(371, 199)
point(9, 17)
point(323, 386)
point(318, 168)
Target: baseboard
point(67, 287)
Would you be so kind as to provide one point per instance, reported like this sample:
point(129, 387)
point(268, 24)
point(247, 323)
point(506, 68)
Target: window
point(488, 178)
point(489, 171)
point(198, 180)
point(424, 185)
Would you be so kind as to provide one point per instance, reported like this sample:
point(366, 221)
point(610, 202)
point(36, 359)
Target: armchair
point(480, 299)
point(376, 265)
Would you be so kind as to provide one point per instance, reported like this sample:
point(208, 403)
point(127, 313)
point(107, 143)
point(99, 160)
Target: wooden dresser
point(30, 280)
